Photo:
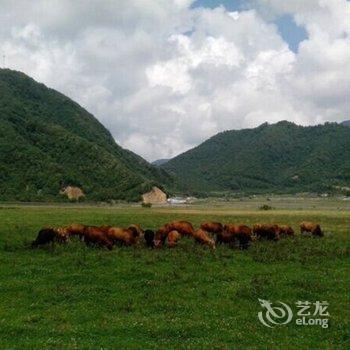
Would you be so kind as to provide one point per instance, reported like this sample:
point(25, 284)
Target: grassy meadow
point(71, 296)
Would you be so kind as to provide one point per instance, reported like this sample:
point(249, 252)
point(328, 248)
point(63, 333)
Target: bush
point(265, 207)
point(146, 205)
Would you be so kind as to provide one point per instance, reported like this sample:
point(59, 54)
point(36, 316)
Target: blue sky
point(232, 5)
point(288, 29)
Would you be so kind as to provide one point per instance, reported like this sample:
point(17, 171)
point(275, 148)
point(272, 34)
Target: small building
point(155, 196)
point(181, 200)
point(177, 200)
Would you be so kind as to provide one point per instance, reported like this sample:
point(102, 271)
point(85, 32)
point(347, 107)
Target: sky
point(165, 75)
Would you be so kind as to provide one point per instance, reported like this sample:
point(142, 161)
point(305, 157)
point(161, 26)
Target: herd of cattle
point(170, 234)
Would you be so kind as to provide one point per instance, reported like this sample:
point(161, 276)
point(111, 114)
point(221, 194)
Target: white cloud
point(176, 72)
point(163, 76)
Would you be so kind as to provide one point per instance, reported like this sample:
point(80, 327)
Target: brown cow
point(173, 238)
point(240, 233)
point(212, 227)
point(202, 237)
point(128, 237)
point(161, 236)
point(104, 228)
point(225, 237)
point(76, 230)
point(185, 228)
point(96, 235)
point(286, 230)
point(62, 234)
point(312, 227)
point(138, 228)
point(267, 231)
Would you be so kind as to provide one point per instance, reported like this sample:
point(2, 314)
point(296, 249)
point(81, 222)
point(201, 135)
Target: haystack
point(155, 196)
point(73, 193)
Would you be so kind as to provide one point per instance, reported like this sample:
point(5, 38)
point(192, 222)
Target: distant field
point(189, 297)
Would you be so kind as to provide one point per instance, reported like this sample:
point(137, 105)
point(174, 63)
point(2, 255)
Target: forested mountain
point(282, 157)
point(47, 142)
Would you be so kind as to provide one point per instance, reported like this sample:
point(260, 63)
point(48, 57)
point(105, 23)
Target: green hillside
point(282, 157)
point(47, 141)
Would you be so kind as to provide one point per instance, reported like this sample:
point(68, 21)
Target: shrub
point(146, 205)
point(265, 207)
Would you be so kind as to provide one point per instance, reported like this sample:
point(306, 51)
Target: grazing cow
point(45, 236)
point(286, 230)
point(312, 227)
point(138, 228)
point(76, 230)
point(225, 237)
point(62, 234)
point(240, 233)
point(79, 229)
point(51, 235)
point(149, 238)
point(173, 238)
point(212, 227)
point(128, 237)
point(161, 235)
point(202, 237)
point(98, 236)
point(267, 231)
point(104, 228)
point(185, 228)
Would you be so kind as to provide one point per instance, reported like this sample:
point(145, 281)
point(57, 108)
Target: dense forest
point(47, 142)
point(282, 157)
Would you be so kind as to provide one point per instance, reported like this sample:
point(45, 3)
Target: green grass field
point(72, 296)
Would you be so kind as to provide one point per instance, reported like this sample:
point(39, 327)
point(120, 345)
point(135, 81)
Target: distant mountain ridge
point(281, 157)
point(47, 141)
point(346, 122)
point(159, 162)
